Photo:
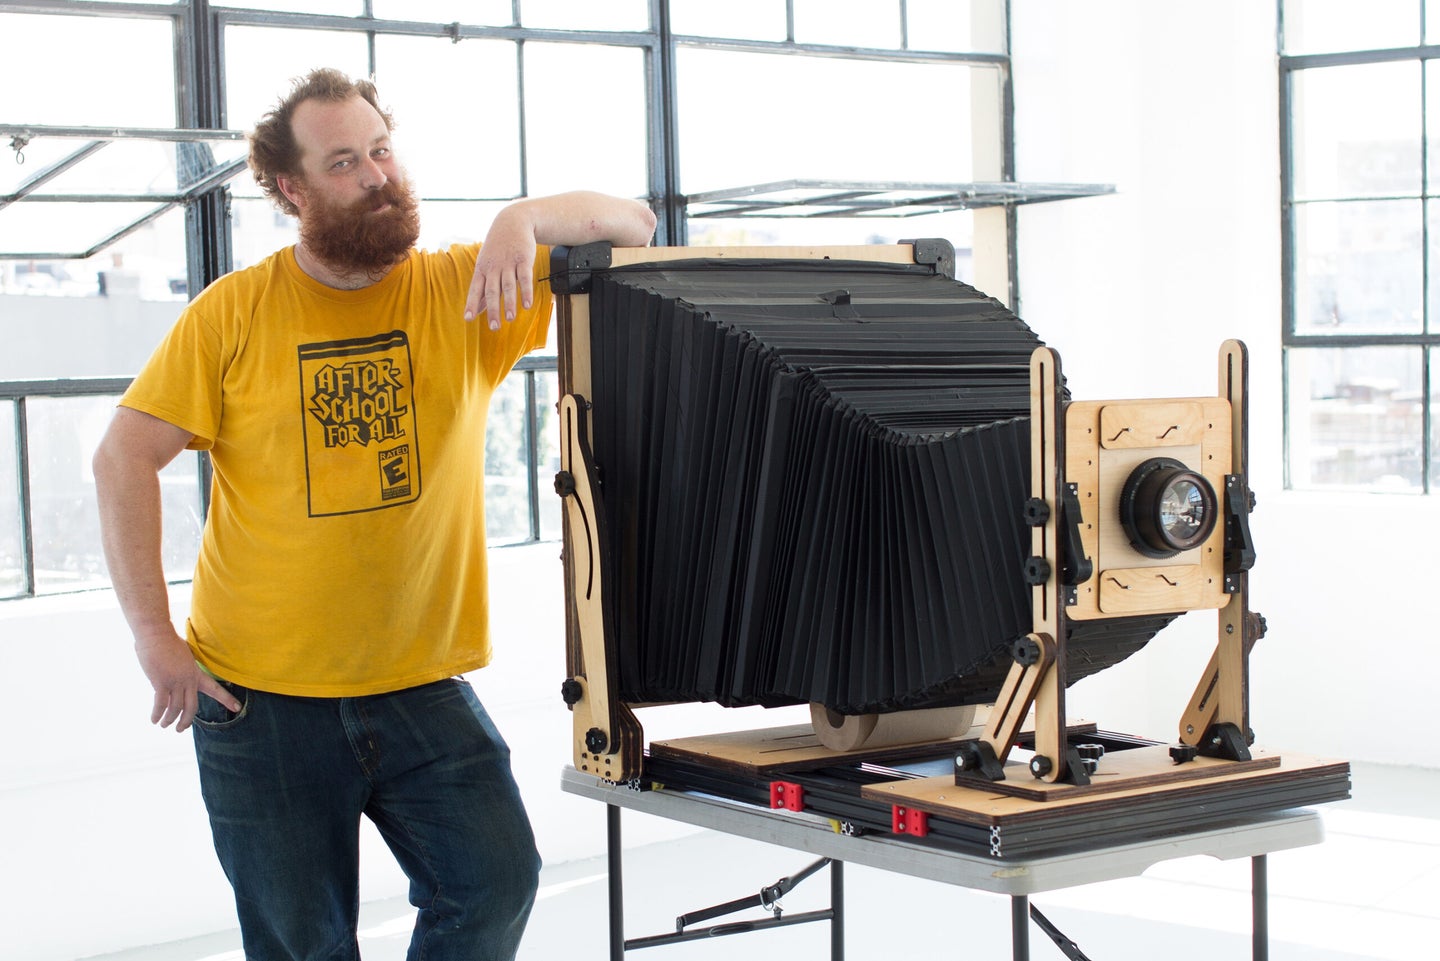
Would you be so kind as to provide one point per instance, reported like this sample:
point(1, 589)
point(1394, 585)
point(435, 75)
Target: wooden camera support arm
point(1216, 721)
point(1065, 566)
point(608, 741)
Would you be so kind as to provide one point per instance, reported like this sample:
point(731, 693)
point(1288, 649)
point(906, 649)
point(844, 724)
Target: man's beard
point(358, 237)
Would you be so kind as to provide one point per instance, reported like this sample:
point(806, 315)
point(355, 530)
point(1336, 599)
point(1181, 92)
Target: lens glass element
point(1184, 511)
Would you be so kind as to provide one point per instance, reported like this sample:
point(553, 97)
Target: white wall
point(1177, 105)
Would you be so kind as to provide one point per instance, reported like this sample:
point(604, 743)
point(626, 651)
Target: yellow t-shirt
point(344, 551)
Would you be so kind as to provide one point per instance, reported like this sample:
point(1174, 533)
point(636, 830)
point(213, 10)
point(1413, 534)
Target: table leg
point(1020, 927)
point(837, 910)
point(617, 884)
point(1260, 907)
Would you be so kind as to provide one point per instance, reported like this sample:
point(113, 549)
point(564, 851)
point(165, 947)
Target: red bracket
point(909, 821)
point(787, 795)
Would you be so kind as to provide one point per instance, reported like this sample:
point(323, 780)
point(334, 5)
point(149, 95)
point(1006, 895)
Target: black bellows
point(813, 475)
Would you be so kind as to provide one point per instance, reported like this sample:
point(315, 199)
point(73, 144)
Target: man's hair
point(273, 150)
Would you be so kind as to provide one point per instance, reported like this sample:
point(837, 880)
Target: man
point(341, 387)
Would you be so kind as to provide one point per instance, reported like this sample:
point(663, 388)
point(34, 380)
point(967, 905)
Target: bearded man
point(341, 388)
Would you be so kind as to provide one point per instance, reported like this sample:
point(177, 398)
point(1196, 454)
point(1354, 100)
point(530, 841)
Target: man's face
point(356, 208)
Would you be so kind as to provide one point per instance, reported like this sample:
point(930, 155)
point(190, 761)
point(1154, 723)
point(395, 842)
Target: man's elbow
point(108, 463)
point(648, 222)
point(640, 230)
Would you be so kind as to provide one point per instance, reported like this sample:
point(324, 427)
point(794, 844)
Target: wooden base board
point(1215, 778)
point(789, 748)
point(864, 789)
point(1122, 771)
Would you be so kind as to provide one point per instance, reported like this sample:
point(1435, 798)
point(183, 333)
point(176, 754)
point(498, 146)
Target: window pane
point(480, 13)
point(586, 14)
point(840, 120)
point(12, 556)
point(64, 227)
point(1432, 125)
point(507, 483)
point(1432, 254)
point(1357, 131)
point(851, 23)
point(1325, 26)
point(1354, 418)
point(257, 230)
point(956, 26)
point(339, 8)
point(99, 317)
point(957, 227)
point(134, 167)
point(63, 434)
point(443, 157)
point(738, 19)
point(87, 71)
point(547, 397)
point(443, 224)
point(1358, 267)
point(182, 516)
point(261, 62)
point(1434, 421)
point(597, 149)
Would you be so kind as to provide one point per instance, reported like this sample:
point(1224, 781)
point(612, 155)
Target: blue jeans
point(287, 779)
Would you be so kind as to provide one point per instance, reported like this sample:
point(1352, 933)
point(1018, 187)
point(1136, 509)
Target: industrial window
point(123, 187)
point(1359, 93)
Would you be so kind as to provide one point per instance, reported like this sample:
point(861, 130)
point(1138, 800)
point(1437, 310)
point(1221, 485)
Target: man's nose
point(372, 176)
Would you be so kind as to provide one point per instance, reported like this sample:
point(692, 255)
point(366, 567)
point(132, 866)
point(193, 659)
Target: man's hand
point(178, 681)
point(504, 271)
point(127, 467)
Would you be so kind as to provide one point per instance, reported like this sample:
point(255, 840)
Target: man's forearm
point(130, 532)
point(583, 217)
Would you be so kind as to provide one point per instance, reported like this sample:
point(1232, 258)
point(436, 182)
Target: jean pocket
point(214, 716)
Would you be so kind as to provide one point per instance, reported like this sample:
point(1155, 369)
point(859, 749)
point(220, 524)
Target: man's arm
point(504, 275)
point(127, 468)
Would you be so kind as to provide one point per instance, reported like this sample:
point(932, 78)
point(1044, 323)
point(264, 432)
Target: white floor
point(1370, 892)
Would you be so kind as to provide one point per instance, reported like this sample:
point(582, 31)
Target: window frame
point(200, 77)
point(1427, 339)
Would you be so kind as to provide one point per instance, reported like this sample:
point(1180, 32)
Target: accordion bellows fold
point(813, 475)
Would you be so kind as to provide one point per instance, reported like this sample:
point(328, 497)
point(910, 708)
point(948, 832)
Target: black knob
point(596, 741)
point(1037, 571)
point(1183, 753)
point(1037, 512)
point(1025, 652)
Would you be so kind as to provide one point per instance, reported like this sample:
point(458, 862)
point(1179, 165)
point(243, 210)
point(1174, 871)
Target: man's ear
point(290, 187)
